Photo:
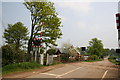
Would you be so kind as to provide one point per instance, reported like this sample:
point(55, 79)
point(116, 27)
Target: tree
point(69, 49)
point(66, 46)
point(112, 52)
point(44, 19)
point(96, 47)
point(16, 34)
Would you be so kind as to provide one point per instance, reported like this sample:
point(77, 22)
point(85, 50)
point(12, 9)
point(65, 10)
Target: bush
point(113, 57)
point(20, 67)
point(81, 58)
point(51, 51)
point(93, 57)
point(113, 60)
point(64, 57)
point(11, 55)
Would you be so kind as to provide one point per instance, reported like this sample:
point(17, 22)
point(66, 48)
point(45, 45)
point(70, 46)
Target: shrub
point(93, 57)
point(20, 66)
point(113, 60)
point(11, 55)
point(64, 57)
point(51, 51)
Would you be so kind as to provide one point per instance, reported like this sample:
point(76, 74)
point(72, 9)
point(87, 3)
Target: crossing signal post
point(118, 28)
point(118, 20)
point(37, 44)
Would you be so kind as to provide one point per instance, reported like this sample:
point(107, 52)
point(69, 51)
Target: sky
point(81, 20)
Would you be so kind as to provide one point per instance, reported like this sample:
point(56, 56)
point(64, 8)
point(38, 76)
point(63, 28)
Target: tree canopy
point(16, 34)
point(96, 47)
point(44, 19)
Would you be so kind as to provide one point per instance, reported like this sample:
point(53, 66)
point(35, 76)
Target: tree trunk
point(30, 42)
point(30, 46)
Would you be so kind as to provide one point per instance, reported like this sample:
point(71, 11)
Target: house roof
point(54, 51)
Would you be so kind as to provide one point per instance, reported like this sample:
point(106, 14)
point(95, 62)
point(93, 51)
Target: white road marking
point(50, 74)
point(104, 74)
point(59, 76)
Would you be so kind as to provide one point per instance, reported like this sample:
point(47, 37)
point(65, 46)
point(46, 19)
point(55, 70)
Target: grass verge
point(113, 61)
point(20, 67)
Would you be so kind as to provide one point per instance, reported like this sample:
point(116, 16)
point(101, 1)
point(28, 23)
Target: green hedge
point(112, 59)
point(20, 67)
point(93, 57)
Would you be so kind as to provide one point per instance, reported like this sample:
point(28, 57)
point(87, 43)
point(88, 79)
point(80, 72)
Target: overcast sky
point(81, 20)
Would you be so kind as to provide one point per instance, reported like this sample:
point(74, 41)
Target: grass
point(24, 66)
point(54, 63)
point(0, 71)
point(113, 61)
point(20, 67)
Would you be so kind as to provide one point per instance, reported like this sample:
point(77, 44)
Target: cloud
point(90, 28)
point(81, 25)
point(84, 7)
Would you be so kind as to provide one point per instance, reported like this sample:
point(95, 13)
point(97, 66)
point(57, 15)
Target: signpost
point(83, 49)
point(118, 27)
point(36, 43)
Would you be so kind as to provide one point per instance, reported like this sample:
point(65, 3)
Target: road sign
point(37, 42)
point(117, 50)
point(118, 20)
point(83, 48)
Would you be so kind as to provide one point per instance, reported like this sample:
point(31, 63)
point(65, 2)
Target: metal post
point(35, 54)
point(119, 7)
point(47, 58)
point(118, 48)
point(119, 37)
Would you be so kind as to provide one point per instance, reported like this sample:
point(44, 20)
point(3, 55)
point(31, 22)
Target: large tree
point(16, 34)
point(96, 47)
point(44, 19)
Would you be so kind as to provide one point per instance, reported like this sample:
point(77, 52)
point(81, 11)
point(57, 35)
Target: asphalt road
point(100, 69)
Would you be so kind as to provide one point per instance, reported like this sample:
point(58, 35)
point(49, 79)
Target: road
point(100, 69)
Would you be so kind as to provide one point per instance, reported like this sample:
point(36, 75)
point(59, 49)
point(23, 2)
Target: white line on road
point(104, 74)
point(59, 76)
point(50, 74)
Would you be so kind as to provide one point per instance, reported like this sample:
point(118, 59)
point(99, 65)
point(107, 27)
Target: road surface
point(99, 70)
